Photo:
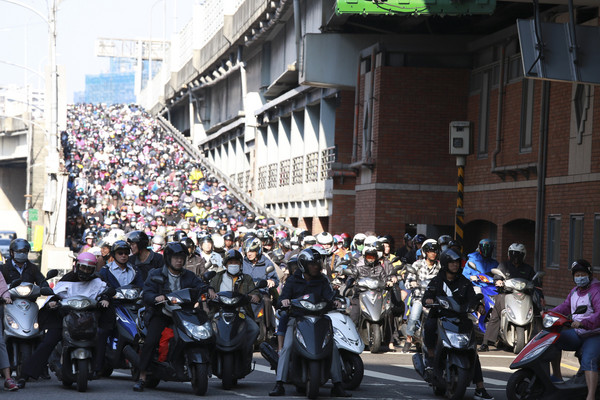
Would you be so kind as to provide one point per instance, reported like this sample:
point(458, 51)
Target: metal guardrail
point(241, 195)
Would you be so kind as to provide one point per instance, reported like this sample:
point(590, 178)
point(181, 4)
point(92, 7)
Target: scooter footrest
point(269, 354)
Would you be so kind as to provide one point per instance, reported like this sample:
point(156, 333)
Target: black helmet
point(19, 245)
point(444, 241)
point(308, 256)
point(581, 265)
point(292, 263)
point(138, 237)
point(253, 244)
point(233, 255)
point(250, 216)
point(203, 237)
point(120, 245)
point(285, 243)
point(189, 243)
point(179, 235)
point(229, 236)
point(420, 238)
point(277, 256)
point(485, 247)
point(173, 248)
point(371, 250)
point(449, 256)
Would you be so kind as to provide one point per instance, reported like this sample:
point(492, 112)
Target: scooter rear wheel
point(523, 385)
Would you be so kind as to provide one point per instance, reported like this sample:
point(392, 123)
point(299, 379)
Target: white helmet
point(324, 238)
point(218, 241)
point(309, 240)
point(517, 248)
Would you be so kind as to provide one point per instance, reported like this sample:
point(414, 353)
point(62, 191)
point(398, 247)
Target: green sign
point(33, 215)
point(416, 7)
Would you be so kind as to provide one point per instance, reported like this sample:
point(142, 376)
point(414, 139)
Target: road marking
point(491, 381)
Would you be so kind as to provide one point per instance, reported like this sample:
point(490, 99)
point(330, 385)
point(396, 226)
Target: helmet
point(309, 240)
point(189, 243)
point(178, 235)
point(138, 237)
point(158, 239)
point(232, 255)
point(253, 244)
point(448, 256)
point(581, 266)
point(324, 238)
point(250, 216)
point(119, 245)
point(407, 237)
point(218, 241)
point(485, 248)
point(173, 248)
point(430, 245)
point(359, 240)
point(517, 252)
point(203, 237)
point(308, 256)
point(444, 241)
point(228, 236)
point(19, 245)
point(86, 266)
point(420, 238)
point(370, 250)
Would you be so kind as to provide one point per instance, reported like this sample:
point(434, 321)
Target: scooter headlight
point(549, 320)
point(313, 307)
point(24, 290)
point(510, 313)
point(79, 304)
point(457, 340)
point(198, 332)
point(129, 294)
point(229, 300)
point(11, 322)
point(327, 339)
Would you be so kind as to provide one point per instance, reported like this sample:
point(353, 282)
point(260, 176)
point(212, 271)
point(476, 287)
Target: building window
point(484, 113)
point(553, 257)
point(596, 245)
point(527, 99)
point(575, 238)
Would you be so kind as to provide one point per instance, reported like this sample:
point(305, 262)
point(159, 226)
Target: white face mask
point(233, 269)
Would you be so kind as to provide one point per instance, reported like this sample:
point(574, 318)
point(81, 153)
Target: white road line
point(491, 381)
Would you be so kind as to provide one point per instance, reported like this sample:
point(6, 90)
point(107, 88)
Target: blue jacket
point(112, 281)
point(484, 265)
point(258, 271)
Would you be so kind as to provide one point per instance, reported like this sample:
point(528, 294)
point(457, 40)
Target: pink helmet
point(87, 258)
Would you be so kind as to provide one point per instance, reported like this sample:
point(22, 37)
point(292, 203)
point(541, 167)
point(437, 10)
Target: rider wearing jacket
point(480, 261)
point(174, 277)
point(307, 279)
point(451, 283)
point(18, 265)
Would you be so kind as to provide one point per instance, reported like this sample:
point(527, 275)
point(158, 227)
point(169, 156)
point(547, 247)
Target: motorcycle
point(485, 285)
point(264, 316)
point(21, 329)
point(517, 318)
point(127, 302)
point(350, 346)
point(531, 380)
point(455, 351)
point(231, 360)
point(80, 327)
point(189, 351)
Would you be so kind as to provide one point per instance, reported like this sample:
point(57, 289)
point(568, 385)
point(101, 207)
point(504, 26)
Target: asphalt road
point(387, 376)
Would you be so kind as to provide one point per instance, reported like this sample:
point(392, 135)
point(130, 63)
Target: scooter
point(455, 351)
point(517, 318)
point(484, 285)
point(531, 380)
point(310, 358)
point(21, 329)
point(189, 351)
point(127, 302)
point(264, 316)
point(80, 326)
point(232, 358)
point(350, 346)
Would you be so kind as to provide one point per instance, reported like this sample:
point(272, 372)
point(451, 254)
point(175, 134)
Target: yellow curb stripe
point(569, 367)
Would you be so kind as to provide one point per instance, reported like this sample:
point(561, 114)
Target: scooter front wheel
point(83, 368)
point(354, 370)
point(314, 380)
point(524, 385)
point(200, 379)
point(457, 381)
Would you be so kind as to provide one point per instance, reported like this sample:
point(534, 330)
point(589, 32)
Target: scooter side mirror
point(538, 275)
point(261, 284)
point(53, 273)
point(46, 291)
point(479, 296)
point(473, 266)
point(208, 275)
point(269, 269)
point(580, 310)
point(497, 271)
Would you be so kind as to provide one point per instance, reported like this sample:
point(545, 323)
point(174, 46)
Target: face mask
point(233, 269)
point(581, 281)
point(20, 257)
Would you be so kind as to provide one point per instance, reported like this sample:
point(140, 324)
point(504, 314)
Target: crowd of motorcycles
point(200, 347)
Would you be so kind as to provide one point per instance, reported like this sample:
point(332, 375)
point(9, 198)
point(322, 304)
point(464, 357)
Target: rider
point(80, 281)
point(141, 256)
point(307, 279)
point(120, 272)
point(449, 280)
point(480, 261)
point(174, 277)
point(584, 335)
point(514, 268)
point(18, 264)
point(426, 269)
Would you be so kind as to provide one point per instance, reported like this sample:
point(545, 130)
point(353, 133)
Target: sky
point(24, 35)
